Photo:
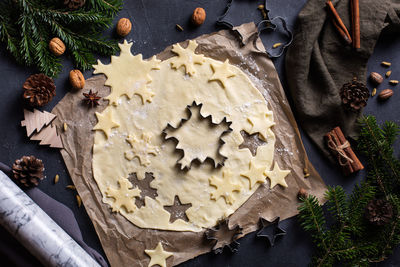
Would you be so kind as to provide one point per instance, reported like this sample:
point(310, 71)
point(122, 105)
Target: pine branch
point(348, 239)
point(26, 27)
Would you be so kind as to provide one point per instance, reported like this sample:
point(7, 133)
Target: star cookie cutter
point(266, 230)
point(276, 25)
point(168, 136)
point(222, 229)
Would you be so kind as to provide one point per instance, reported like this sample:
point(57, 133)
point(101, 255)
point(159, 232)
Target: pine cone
point(379, 212)
point(39, 90)
point(74, 4)
point(28, 171)
point(354, 95)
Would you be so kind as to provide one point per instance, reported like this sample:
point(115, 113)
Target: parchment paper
point(123, 242)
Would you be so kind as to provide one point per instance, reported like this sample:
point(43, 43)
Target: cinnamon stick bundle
point(341, 149)
point(338, 23)
point(355, 21)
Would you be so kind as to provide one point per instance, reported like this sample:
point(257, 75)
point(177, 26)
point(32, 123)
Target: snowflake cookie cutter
point(219, 236)
point(216, 163)
point(277, 25)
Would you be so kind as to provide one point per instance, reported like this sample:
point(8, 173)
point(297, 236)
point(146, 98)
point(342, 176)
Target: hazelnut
point(76, 79)
point(376, 78)
point(385, 94)
point(198, 16)
point(124, 27)
point(302, 193)
point(56, 46)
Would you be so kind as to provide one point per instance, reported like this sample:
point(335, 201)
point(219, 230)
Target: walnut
point(57, 47)
point(198, 16)
point(76, 79)
point(124, 27)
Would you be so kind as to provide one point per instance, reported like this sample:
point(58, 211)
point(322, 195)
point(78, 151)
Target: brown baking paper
point(123, 242)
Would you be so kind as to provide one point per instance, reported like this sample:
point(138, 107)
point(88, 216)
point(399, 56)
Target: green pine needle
point(342, 235)
point(27, 26)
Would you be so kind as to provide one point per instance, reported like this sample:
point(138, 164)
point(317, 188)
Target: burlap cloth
point(318, 63)
point(123, 242)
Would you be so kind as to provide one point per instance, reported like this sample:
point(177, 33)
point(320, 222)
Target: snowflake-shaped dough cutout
point(224, 187)
point(260, 122)
point(221, 73)
point(124, 196)
point(128, 75)
point(195, 131)
point(141, 148)
point(186, 57)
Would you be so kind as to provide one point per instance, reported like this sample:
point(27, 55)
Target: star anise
point(91, 98)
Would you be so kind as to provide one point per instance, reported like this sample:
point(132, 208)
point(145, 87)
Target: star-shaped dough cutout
point(221, 73)
point(224, 187)
point(158, 256)
point(186, 57)
point(105, 122)
point(124, 196)
point(260, 122)
point(141, 148)
point(127, 74)
point(145, 94)
point(255, 174)
point(277, 176)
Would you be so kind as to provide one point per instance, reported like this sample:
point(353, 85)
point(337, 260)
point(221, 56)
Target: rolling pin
point(36, 231)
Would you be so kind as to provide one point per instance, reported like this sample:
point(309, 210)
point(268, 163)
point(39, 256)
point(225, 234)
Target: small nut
point(65, 126)
point(376, 78)
point(56, 46)
point(393, 82)
point(388, 73)
point(179, 27)
point(78, 200)
point(302, 193)
point(373, 92)
point(198, 16)
point(56, 178)
point(76, 79)
point(385, 94)
point(386, 64)
point(124, 27)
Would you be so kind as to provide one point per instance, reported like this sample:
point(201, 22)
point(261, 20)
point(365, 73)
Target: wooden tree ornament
point(36, 120)
point(38, 128)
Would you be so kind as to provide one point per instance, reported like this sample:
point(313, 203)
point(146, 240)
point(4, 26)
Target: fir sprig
point(340, 232)
point(26, 27)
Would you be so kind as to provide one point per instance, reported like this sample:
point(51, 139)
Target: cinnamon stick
point(355, 20)
point(338, 23)
point(341, 149)
point(356, 164)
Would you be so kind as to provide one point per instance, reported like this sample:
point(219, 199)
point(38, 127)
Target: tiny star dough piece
point(277, 176)
point(186, 57)
point(221, 73)
point(225, 187)
point(158, 256)
point(124, 196)
point(105, 122)
point(255, 174)
point(125, 79)
point(258, 121)
point(141, 148)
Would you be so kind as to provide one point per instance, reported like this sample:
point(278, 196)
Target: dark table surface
point(154, 29)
